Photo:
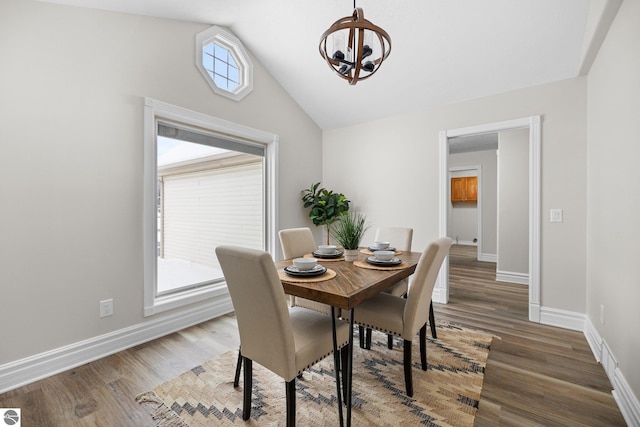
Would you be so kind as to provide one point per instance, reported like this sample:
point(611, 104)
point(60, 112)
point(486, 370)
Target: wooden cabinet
point(464, 189)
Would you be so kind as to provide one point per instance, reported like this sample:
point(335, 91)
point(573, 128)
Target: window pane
point(234, 75)
point(221, 53)
point(209, 196)
point(220, 81)
point(208, 49)
point(207, 62)
point(220, 68)
point(232, 62)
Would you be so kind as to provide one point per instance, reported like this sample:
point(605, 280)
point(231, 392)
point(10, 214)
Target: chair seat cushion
point(312, 333)
point(384, 312)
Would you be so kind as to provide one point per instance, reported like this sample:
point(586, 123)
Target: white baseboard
point(488, 257)
point(512, 277)
point(21, 372)
point(622, 393)
point(466, 243)
point(593, 339)
point(438, 295)
point(534, 312)
point(626, 399)
point(562, 318)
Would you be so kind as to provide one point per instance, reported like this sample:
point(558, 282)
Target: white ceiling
point(443, 51)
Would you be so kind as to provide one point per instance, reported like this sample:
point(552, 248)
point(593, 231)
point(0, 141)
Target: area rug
point(447, 394)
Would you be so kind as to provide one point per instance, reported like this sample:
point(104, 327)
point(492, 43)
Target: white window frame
point(224, 38)
point(153, 112)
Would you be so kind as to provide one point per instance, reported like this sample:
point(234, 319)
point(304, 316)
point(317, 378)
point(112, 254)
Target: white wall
point(513, 202)
point(613, 228)
point(72, 85)
point(407, 146)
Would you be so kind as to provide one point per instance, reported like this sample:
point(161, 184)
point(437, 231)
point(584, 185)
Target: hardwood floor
point(535, 375)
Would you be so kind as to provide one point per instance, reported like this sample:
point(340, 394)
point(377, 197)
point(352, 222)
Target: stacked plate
point(374, 261)
point(373, 249)
point(334, 255)
point(315, 271)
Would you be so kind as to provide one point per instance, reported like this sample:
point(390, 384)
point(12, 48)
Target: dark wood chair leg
point(362, 337)
point(423, 347)
point(407, 368)
point(248, 386)
point(390, 342)
point(291, 402)
point(236, 380)
point(432, 321)
point(368, 344)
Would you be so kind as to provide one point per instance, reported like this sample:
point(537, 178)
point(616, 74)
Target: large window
point(210, 185)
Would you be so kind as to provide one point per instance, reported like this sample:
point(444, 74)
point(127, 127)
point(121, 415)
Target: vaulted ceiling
point(442, 52)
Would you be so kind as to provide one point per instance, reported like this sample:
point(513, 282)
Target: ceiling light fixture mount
point(359, 47)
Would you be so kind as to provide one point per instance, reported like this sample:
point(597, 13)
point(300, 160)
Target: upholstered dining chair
point(285, 341)
point(297, 242)
point(404, 317)
point(401, 239)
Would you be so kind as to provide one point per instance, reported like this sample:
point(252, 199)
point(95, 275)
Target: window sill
point(170, 302)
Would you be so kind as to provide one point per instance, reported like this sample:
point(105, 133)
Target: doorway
point(441, 292)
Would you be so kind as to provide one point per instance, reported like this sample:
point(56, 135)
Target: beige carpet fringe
point(163, 416)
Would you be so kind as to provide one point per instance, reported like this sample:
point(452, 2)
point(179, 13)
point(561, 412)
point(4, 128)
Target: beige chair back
point(296, 242)
point(399, 237)
point(416, 311)
point(266, 335)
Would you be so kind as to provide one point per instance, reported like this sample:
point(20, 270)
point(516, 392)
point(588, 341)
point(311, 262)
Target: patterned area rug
point(447, 394)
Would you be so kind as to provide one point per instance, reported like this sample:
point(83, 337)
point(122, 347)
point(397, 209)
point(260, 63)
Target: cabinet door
point(471, 188)
point(457, 189)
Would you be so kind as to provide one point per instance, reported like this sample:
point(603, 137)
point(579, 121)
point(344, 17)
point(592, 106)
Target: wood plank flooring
point(536, 375)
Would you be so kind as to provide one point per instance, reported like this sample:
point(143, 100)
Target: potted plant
point(348, 232)
point(326, 206)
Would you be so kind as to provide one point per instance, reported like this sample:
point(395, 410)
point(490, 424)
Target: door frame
point(533, 123)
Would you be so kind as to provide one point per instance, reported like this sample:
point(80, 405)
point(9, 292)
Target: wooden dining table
point(353, 283)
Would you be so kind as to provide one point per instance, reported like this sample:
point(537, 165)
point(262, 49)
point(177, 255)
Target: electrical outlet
point(106, 308)
point(556, 215)
point(602, 314)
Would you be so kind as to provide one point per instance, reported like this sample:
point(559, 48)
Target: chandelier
point(359, 47)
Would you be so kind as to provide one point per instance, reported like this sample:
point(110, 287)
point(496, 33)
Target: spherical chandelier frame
point(357, 25)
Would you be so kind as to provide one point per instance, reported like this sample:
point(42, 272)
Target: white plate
point(393, 261)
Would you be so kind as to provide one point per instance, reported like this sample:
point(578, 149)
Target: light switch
point(556, 215)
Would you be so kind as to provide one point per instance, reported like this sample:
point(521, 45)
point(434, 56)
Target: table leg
point(336, 363)
point(349, 368)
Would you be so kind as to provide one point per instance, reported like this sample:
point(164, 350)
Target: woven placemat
point(363, 264)
point(324, 259)
point(330, 274)
point(368, 252)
